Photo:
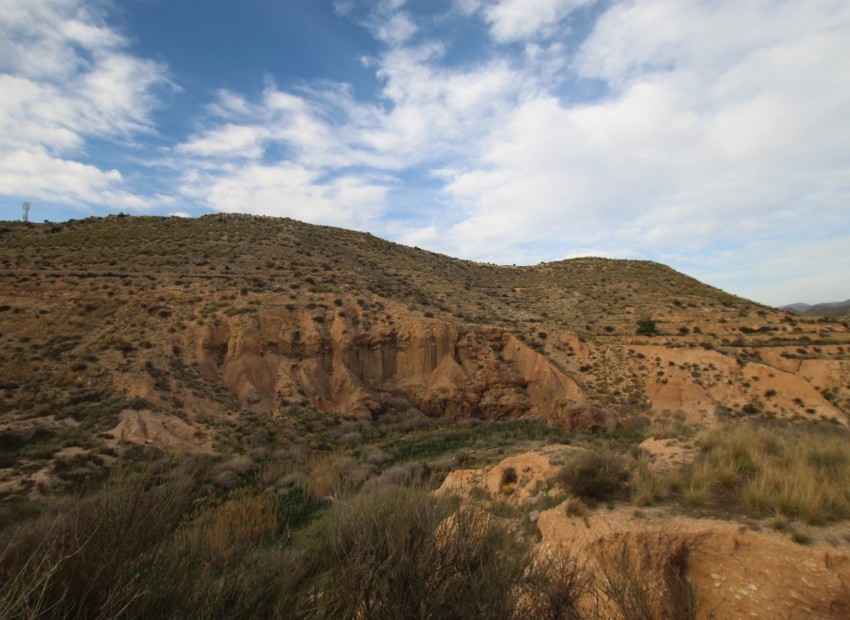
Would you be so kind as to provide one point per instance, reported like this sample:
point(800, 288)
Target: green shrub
point(595, 475)
point(646, 327)
point(142, 548)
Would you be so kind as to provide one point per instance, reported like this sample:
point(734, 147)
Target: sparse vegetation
point(118, 324)
point(396, 553)
point(151, 543)
point(628, 595)
point(797, 472)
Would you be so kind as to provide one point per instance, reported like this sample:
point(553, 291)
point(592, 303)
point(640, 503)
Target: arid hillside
point(161, 329)
point(167, 331)
point(239, 416)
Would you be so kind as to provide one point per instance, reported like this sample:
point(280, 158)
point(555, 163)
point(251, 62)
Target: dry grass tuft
point(647, 486)
point(633, 589)
point(798, 472)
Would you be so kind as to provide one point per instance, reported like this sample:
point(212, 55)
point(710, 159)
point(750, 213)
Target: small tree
point(646, 327)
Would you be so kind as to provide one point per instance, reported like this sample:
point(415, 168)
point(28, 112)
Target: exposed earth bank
point(727, 569)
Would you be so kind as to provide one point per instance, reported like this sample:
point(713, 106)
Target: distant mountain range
point(831, 309)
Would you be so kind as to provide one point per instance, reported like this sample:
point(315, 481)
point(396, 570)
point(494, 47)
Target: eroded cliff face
point(695, 382)
point(441, 368)
point(341, 363)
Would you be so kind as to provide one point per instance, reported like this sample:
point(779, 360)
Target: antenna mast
point(26, 212)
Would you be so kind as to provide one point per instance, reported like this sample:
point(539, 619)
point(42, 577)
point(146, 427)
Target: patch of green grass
point(801, 538)
point(432, 444)
point(618, 435)
point(297, 508)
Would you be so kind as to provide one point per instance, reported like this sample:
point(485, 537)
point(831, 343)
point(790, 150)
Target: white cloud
point(37, 174)
point(24, 172)
point(415, 236)
point(714, 130)
point(724, 124)
point(386, 20)
point(469, 7)
point(426, 113)
point(780, 273)
point(227, 141)
point(228, 104)
point(288, 190)
point(395, 30)
point(65, 79)
point(522, 20)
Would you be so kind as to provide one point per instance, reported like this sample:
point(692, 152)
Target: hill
point(133, 331)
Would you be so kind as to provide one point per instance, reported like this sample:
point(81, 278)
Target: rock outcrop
point(339, 363)
point(441, 368)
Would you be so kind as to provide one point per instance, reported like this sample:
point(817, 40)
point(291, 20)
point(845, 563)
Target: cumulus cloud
point(426, 113)
point(517, 20)
point(286, 154)
point(522, 20)
point(722, 124)
point(288, 190)
point(66, 78)
point(35, 173)
point(697, 133)
point(396, 29)
point(25, 171)
point(229, 140)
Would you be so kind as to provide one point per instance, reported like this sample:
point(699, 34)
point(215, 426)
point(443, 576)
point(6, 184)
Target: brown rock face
point(147, 427)
point(729, 570)
point(440, 368)
point(583, 419)
point(695, 382)
point(279, 357)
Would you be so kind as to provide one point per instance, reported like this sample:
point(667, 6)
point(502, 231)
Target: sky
point(709, 135)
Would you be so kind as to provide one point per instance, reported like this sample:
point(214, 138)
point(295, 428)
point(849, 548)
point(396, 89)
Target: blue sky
point(712, 136)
